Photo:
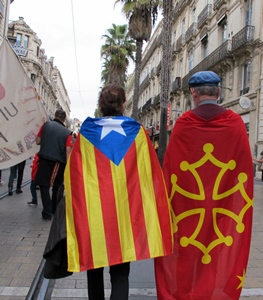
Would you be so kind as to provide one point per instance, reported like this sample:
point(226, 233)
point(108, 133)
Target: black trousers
point(45, 173)
point(119, 276)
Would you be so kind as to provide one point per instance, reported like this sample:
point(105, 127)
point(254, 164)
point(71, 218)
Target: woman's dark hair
point(111, 100)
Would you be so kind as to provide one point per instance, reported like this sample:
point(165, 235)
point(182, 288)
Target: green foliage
point(116, 52)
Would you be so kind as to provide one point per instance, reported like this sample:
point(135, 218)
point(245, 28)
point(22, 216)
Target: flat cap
point(204, 78)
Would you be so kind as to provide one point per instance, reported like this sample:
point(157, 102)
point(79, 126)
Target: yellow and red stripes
point(106, 223)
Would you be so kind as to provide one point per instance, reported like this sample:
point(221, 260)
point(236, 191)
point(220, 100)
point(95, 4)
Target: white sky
point(52, 21)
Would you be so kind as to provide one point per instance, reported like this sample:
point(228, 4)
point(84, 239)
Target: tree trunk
point(138, 64)
point(165, 75)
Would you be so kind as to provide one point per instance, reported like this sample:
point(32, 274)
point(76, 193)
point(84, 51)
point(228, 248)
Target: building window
point(174, 36)
point(191, 61)
point(245, 79)
point(193, 15)
point(180, 71)
point(224, 32)
point(183, 26)
point(18, 39)
point(249, 13)
point(204, 43)
point(33, 77)
point(188, 105)
point(26, 38)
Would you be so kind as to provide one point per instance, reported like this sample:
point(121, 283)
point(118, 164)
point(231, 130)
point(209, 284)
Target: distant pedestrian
point(33, 185)
point(55, 142)
point(260, 164)
point(1, 181)
point(19, 170)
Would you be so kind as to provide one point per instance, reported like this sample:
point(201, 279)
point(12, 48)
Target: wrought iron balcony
point(180, 7)
point(180, 42)
point(147, 105)
point(204, 15)
point(217, 56)
point(145, 81)
point(191, 31)
point(218, 4)
point(243, 37)
point(176, 85)
point(156, 100)
point(244, 91)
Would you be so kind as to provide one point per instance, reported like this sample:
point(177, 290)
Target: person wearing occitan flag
point(117, 208)
point(209, 177)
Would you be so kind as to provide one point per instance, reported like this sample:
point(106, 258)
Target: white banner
point(21, 112)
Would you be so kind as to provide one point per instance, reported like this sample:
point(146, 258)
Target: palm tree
point(165, 74)
point(118, 49)
point(142, 15)
point(105, 73)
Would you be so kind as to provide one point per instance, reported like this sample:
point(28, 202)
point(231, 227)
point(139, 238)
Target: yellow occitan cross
point(200, 196)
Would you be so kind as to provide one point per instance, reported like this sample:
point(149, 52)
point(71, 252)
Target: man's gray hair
point(207, 90)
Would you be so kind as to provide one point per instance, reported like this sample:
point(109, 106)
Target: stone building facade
point(41, 69)
point(225, 36)
point(4, 13)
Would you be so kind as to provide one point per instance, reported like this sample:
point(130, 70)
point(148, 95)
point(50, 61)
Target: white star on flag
point(109, 125)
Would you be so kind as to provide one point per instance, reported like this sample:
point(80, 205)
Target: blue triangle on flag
point(112, 136)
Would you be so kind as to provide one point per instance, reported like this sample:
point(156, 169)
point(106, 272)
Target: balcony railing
point(156, 100)
point(244, 91)
point(176, 85)
point(144, 82)
point(147, 105)
point(243, 37)
point(204, 15)
point(180, 6)
point(191, 31)
point(211, 60)
point(218, 4)
point(180, 42)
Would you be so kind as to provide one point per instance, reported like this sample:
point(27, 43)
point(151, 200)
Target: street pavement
point(23, 236)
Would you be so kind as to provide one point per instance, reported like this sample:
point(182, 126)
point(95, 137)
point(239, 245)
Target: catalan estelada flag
point(117, 207)
point(209, 174)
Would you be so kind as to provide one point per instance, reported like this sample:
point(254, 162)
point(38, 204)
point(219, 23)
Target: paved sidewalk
point(23, 235)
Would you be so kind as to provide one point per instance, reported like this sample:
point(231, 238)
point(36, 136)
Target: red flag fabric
point(117, 206)
point(209, 176)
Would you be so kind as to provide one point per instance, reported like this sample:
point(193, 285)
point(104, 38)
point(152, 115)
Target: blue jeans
point(33, 191)
point(19, 170)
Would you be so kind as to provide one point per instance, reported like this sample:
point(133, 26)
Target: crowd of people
point(122, 206)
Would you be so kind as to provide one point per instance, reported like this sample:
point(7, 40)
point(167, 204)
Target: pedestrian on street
point(209, 177)
point(260, 164)
point(114, 215)
point(55, 142)
point(33, 186)
point(19, 170)
point(1, 181)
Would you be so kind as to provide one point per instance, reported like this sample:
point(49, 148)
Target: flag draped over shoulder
point(117, 207)
point(209, 176)
point(21, 112)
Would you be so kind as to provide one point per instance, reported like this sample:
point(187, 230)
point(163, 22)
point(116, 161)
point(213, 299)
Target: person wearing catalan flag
point(209, 176)
point(117, 208)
